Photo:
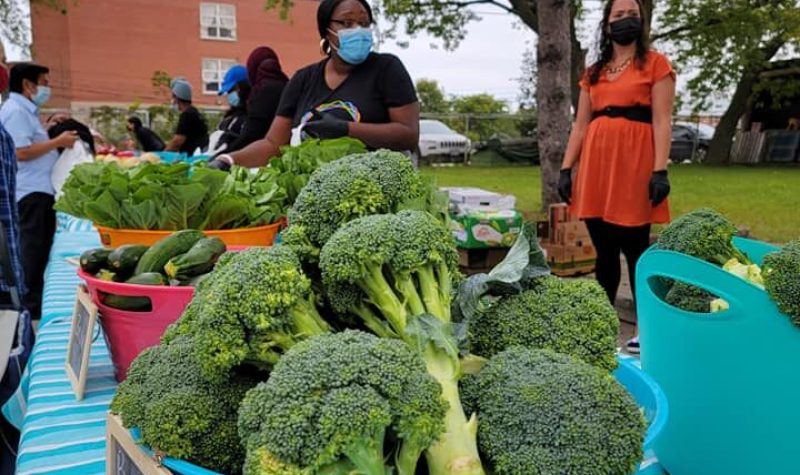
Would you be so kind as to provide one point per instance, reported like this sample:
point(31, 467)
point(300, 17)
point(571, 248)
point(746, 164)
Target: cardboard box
point(566, 260)
point(480, 199)
point(486, 229)
point(480, 260)
point(572, 233)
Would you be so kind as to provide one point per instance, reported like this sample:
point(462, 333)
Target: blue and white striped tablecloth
point(62, 436)
point(59, 435)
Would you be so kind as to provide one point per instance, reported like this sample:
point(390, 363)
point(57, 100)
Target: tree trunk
point(719, 150)
point(578, 60)
point(553, 91)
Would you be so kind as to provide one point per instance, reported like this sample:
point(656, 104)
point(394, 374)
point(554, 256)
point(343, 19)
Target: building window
point(218, 21)
point(213, 71)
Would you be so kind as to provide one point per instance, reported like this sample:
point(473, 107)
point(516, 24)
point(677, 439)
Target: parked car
point(690, 141)
point(436, 140)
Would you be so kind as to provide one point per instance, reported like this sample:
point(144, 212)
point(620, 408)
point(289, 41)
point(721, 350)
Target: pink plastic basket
point(128, 333)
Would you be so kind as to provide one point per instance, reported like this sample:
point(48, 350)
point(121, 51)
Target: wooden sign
point(123, 456)
point(84, 319)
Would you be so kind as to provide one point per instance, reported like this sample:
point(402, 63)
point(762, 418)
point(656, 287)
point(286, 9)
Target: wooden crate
point(476, 261)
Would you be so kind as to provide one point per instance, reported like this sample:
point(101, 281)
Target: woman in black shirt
point(353, 92)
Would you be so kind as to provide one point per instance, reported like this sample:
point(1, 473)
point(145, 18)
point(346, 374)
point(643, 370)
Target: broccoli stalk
point(399, 268)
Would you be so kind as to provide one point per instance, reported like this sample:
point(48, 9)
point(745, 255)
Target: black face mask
point(626, 31)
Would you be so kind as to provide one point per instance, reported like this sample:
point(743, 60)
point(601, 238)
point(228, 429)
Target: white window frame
point(214, 74)
point(219, 16)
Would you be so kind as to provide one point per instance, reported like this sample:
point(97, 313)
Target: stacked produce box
point(567, 243)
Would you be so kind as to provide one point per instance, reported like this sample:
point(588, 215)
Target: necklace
point(614, 70)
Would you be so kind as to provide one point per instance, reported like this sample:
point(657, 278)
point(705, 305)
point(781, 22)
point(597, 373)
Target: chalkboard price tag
point(84, 319)
point(123, 456)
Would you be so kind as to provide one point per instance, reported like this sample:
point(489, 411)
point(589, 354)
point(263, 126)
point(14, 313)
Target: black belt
point(634, 113)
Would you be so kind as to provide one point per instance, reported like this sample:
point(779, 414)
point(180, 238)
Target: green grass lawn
point(766, 199)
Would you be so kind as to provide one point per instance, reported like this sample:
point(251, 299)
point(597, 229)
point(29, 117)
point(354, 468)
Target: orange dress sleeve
point(662, 68)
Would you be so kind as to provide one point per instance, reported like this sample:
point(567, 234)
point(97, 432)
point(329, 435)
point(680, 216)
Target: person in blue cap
point(192, 131)
point(236, 89)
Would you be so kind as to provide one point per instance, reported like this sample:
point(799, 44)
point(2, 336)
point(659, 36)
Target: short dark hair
point(135, 121)
point(325, 14)
point(22, 71)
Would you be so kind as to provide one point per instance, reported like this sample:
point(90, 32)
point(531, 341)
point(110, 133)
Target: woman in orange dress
point(620, 144)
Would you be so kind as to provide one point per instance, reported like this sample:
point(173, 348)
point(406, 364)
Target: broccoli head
point(346, 189)
point(704, 234)
point(572, 317)
point(250, 310)
point(545, 413)
point(349, 188)
point(178, 412)
point(782, 279)
point(394, 273)
point(334, 399)
point(689, 297)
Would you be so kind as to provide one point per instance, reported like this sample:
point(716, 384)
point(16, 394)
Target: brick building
point(105, 52)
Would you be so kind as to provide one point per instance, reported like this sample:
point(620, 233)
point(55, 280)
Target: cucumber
point(193, 282)
point(200, 259)
point(139, 304)
point(161, 252)
point(94, 259)
point(125, 258)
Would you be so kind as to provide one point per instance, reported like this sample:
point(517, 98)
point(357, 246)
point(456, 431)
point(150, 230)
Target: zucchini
point(139, 304)
point(194, 281)
point(107, 275)
point(121, 302)
point(161, 252)
point(125, 258)
point(200, 259)
point(94, 259)
point(148, 278)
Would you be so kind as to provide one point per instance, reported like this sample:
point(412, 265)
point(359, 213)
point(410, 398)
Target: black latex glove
point(328, 127)
point(565, 185)
point(659, 187)
point(217, 164)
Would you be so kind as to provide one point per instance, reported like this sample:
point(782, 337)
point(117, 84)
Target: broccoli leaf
point(524, 264)
point(426, 329)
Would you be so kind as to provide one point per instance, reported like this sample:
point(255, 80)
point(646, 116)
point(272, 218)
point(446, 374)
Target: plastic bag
point(71, 157)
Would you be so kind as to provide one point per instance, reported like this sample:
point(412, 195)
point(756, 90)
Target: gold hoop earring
point(325, 47)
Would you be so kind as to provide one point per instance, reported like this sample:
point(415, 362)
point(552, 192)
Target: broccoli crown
point(704, 234)
point(334, 397)
point(352, 187)
point(178, 412)
point(249, 311)
point(782, 279)
point(401, 264)
point(572, 317)
point(542, 413)
point(690, 298)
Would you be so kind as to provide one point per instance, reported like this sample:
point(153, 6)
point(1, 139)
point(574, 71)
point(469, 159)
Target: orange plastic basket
point(259, 236)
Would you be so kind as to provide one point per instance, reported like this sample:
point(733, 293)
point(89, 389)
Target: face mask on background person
point(626, 31)
point(42, 95)
point(233, 99)
point(355, 45)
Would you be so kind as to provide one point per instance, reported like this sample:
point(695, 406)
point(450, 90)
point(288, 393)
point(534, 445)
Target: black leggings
point(609, 239)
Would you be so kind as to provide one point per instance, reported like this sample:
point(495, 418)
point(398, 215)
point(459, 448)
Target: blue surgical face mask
point(42, 96)
point(233, 99)
point(355, 45)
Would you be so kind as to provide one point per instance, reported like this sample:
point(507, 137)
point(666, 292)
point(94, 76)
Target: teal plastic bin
point(731, 378)
point(642, 387)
